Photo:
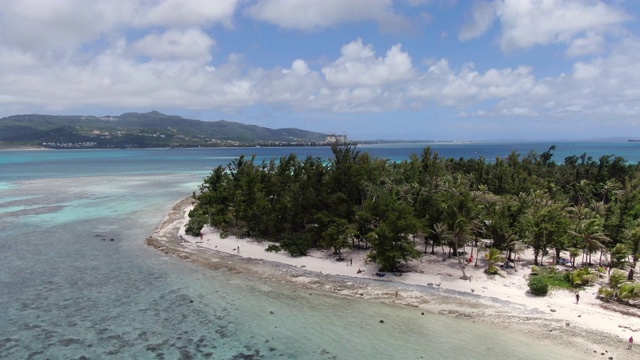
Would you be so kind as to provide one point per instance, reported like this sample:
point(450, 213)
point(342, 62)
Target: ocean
point(78, 282)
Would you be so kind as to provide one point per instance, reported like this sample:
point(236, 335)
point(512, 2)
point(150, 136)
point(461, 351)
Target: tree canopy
point(354, 200)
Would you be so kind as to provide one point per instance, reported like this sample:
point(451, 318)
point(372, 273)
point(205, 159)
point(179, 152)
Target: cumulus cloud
point(64, 25)
point(448, 87)
point(173, 45)
point(71, 54)
point(186, 12)
point(40, 25)
point(483, 15)
point(602, 87)
point(311, 15)
point(591, 43)
point(525, 24)
point(358, 65)
point(179, 75)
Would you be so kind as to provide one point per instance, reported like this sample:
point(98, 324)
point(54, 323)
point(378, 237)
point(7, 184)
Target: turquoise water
point(67, 290)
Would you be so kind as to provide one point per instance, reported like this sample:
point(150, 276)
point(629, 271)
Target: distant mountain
point(142, 130)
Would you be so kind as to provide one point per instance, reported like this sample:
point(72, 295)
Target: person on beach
point(630, 342)
point(351, 262)
point(238, 249)
point(577, 297)
point(200, 236)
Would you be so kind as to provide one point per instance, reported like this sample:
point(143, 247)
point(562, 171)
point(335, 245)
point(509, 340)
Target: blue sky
point(370, 69)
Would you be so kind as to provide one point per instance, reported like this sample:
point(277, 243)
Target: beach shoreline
point(591, 329)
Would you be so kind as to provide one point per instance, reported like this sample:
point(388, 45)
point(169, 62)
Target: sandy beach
point(591, 328)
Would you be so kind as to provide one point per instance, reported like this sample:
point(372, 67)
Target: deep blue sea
point(67, 294)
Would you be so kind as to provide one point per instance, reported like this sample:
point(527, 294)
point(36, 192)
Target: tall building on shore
point(334, 138)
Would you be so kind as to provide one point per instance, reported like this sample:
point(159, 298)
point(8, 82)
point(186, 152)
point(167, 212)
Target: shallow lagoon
point(68, 291)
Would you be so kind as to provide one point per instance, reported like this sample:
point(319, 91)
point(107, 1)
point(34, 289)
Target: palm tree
point(517, 248)
point(494, 256)
point(579, 213)
point(633, 242)
point(441, 231)
point(459, 235)
point(619, 255)
point(589, 232)
point(612, 290)
point(477, 227)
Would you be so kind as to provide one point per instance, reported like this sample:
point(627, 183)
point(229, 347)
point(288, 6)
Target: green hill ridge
point(142, 130)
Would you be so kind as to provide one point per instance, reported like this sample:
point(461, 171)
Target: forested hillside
point(151, 129)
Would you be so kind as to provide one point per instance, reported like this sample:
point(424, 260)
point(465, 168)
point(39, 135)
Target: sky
point(368, 69)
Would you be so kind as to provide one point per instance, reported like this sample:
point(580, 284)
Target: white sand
point(559, 307)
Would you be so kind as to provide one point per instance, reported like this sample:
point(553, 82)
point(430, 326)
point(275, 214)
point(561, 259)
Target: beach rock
point(381, 321)
point(567, 323)
point(552, 310)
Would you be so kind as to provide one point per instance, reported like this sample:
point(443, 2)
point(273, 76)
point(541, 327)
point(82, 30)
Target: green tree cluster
point(353, 200)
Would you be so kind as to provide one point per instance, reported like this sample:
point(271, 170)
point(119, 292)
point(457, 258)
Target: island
point(544, 258)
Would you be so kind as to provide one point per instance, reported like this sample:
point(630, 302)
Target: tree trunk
point(464, 275)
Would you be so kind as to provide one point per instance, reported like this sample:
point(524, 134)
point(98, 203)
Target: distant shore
point(22, 148)
point(594, 329)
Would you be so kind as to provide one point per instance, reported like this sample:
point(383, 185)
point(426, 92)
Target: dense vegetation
point(151, 129)
point(587, 207)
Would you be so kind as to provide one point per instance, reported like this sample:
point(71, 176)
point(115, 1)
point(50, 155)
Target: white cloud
point(591, 43)
point(68, 54)
point(61, 26)
point(358, 81)
point(603, 88)
point(358, 65)
point(311, 15)
point(468, 86)
point(525, 24)
point(187, 12)
point(41, 25)
point(483, 15)
point(173, 45)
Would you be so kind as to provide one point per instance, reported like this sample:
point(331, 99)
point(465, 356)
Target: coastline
point(590, 328)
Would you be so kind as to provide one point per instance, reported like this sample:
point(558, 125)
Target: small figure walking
point(630, 342)
point(238, 249)
point(351, 262)
point(200, 236)
point(577, 298)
